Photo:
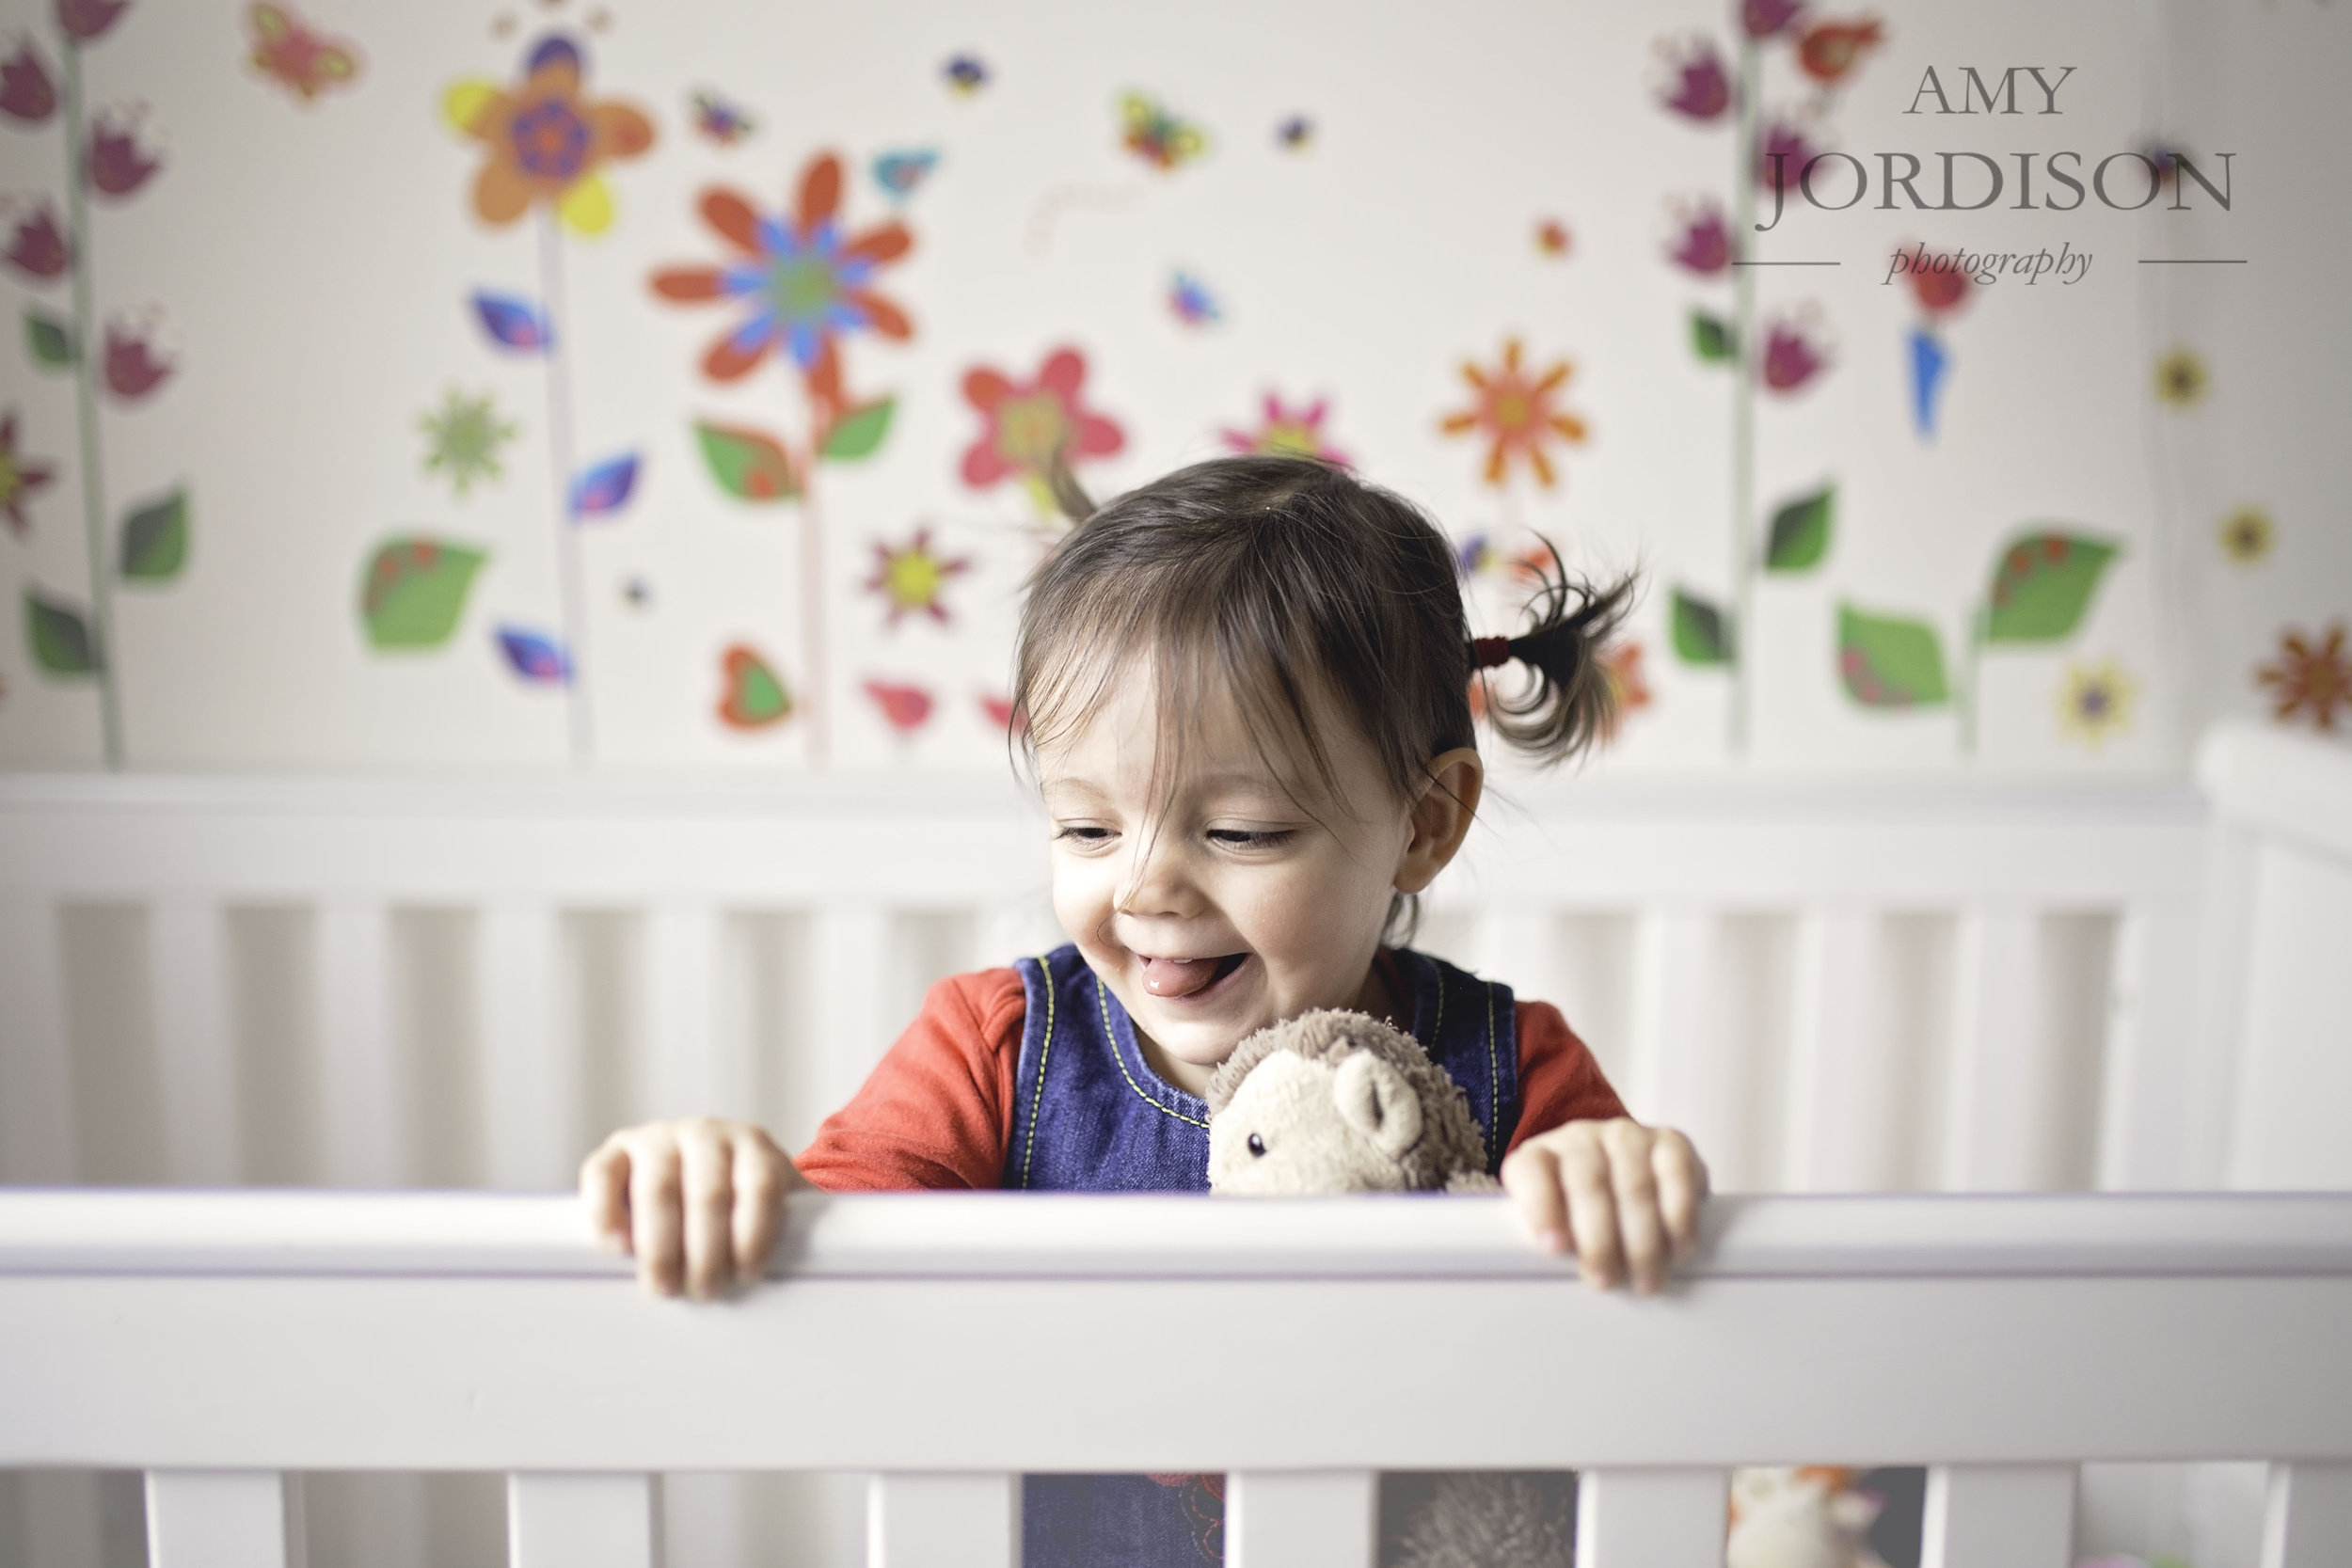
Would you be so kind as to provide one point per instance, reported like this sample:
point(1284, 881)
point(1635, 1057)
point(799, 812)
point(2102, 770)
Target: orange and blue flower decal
point(546, 143)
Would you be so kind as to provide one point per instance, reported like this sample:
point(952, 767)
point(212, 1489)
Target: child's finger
point(653, 1201)
point(1681, 1187)
point(1628, 1147)
point(1593, 1212)
point(604, 1193)
point(1532, 1176)
point(709, 1171)
point(759, 1182)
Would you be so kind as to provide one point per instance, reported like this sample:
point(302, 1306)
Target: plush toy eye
point(1257, 1145)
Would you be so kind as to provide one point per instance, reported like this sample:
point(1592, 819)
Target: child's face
point(1222, 906)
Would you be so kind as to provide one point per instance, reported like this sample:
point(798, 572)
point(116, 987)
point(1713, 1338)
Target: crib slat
point(556, 1519)
point(194, 1054)
point(2306, 1517)
point(530, 1084)
point(1839, 1087)
point(367, 1122)
point(1663, 1518)
point(2147, 1106)
point(1677, 1075)
point(850, 970)
point(1994, 1089)
point(1999, 1516)
point(1301, 1518)
point(917, 1520)
point(688, 1066)
point(224, 1519)
point(35, 1080)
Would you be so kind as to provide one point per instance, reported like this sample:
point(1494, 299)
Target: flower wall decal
point(1027, 426)
point(545, 143)
point(910, 577)
point(2310, 676)
point(463, 438)
point(2248, 535)
point(2181, 379)
point(1516, 409)
point(2095, 702)
point(1284, 431)
point(21, 479)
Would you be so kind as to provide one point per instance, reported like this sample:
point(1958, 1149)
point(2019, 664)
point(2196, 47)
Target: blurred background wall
point(400, 366)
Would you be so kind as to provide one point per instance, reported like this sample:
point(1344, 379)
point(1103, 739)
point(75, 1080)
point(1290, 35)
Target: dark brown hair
point(1285, 579)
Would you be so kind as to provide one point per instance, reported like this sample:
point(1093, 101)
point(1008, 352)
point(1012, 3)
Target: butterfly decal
point(288, 50)
point(966, 74)
point(900, 174)
point(721, 123)
point(1156, 136)
point(1190, 299)
point(534, 656)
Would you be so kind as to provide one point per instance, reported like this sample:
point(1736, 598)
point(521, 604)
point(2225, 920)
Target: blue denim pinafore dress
point(1092, 1117)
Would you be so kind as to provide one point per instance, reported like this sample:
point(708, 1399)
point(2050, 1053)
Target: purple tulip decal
point(1703, 245)
point(133, 368)
point(26, 92)
point(1700, 88)
point(1786, 140)
point(37, 248)
point(1765, 17)
point(1792, 358)
point(84, 20)
point(118, 165)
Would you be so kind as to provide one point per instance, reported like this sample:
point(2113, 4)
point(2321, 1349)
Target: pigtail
point(1070, 497)
point(1572, 702)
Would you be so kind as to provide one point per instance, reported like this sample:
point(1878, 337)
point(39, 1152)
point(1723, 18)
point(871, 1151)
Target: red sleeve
point(937, 1109)
point(1559, 1080)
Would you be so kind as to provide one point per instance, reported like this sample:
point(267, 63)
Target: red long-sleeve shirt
point(937, 1111)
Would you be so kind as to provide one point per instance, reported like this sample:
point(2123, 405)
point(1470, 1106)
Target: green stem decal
point(1742, 396)
point(573, 605)
point(107, 652)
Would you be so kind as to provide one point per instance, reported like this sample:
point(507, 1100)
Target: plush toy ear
point(1376, 1099)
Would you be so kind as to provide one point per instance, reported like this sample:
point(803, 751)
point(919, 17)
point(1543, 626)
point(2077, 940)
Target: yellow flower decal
point(2246, 535)
point(546, 143)
point(2096, 701)
point(1515, 409)
point(2181, 379)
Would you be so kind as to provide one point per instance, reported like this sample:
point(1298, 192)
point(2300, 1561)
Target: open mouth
point(1189, 979)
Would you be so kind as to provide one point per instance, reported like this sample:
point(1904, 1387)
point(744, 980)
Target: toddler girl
point(1246, 692)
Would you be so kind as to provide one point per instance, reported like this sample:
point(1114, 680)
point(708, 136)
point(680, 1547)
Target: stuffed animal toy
point(1340, 1102)
point(1800, 1516)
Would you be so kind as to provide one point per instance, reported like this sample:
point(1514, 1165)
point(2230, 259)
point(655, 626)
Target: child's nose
point(1160, 884)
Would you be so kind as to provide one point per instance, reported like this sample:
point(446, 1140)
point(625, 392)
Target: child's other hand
point(1626, 1196)
point(698, 1202)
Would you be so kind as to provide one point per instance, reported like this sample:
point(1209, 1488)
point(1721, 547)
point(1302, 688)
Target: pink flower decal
point(905, 707)
point(1762, 19)
point(1030, 424)
point(84, 20)
point(27, 91)
point(1699, 88)
point(1786, 140)
point(1704, 244)
point(117, 164)
point(1791, 357)
point(1940, 283)
point(133, 368)
point(1288, 432)
point(37, 248)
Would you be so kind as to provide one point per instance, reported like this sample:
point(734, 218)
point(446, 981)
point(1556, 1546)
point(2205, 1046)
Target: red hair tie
point(1488, 652)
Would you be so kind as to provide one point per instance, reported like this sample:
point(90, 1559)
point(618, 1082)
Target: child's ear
point(1440, 819)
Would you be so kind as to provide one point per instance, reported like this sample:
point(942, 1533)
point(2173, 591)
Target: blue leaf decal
point(513, 321)
point(605, 488)
point(1928, 364)
point(899, 173)
point(534, 656)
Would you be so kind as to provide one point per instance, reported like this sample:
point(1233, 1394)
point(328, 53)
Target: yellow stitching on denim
point(1028, 1151)
point(1494, 1083)
point(1103, 997)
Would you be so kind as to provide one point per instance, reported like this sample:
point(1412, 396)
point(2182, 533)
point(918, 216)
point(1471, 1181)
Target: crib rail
point(219, 1341)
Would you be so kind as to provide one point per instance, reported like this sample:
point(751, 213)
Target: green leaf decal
point(49, 340)
point(1710, 337)
point(749, 464)
point(1890, 661)
point(2042, 588)
point(62, 644)
point(861, 430)
point(155, 540)
point(1701, 635)
point(414, 590)
point(1800, 531)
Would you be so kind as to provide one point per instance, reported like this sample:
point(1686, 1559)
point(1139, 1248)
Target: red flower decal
point(84, 20)
point(133, 368)
point(117, 164)
point(1032, 423)
point(27, 91)
point(37, 249)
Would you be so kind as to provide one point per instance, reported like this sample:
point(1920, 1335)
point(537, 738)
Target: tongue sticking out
point(1184, 976)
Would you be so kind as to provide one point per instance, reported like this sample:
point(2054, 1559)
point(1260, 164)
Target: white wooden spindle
point(568, 1520)
point(918, 1520)
point(1841, 1088)
point(1994, 1088)
point(851, 968)
point(224, 1519)
point(2146, 1106)
point(195, 1053)
point(1678, 1075)
point(1301, 1518)
point(1519, 946)
point(2307, 1517)
point(365, 1092)
point(1662, 1518)
point(2225, 916)
point(690, 1072)
point(1999, 1516)
point(531, 1090)
point(36, 1077)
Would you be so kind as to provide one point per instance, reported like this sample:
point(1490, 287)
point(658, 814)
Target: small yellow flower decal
point(2181, 379)
point(2246, 535)
point(2095, 702)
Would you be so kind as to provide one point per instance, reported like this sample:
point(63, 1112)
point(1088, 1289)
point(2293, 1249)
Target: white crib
point(324, 982)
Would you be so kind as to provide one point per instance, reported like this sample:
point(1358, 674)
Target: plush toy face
point(1297, 1126)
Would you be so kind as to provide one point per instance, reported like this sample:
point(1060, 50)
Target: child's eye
point(1248, 838)
point(1085, 835)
